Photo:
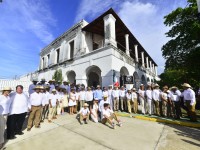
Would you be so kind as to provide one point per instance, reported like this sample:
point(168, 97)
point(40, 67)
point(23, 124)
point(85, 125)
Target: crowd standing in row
point(47, 101)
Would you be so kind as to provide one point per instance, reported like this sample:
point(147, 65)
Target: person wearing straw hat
point(115, 95)
point(84, 114)
point(122, 95)
point(190, 100)
point(134, 101)
point(52, 84)
point(176, 94)
point(129, 100)
point(32, 86)
point(53, 101)
point(98, 93)
point(82, 97)
point(148, 94)
point(36, 100)
point(4, 111)
point(19, 107)
point(142, 99)
point(109, 116)
point(164, 98)
point(156, 99)
point(94, 111)
point(101, 104)
point(89, 97)
point(110, 98)
point(45, 103)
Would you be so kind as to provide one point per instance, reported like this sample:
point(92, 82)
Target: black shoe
point(19, 133)
point(11, 138)
point(28, 129)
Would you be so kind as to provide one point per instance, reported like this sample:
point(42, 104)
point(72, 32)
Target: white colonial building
point(91, 53)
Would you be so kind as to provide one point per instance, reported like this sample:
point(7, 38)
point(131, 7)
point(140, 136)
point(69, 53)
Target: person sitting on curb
point(109, 116)
point(84, 114)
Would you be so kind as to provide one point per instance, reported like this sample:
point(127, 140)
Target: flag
point(115, 80)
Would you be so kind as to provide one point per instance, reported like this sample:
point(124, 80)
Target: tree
point(182, 52)
point(58, 76)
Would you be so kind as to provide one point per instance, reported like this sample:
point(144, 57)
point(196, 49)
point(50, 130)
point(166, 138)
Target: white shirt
point(77, 95)
point(105, 93)
point(148, 93)
point(84, 111)
point(175, 95)
point(82, 95)
point(164, 95)
point(4, 104)
point(110, 93)
point(19, 103)
point(106, 113)
point(133, 95)
point(101, 104)
point(36, 99)
point(122, 93)
point(141, 92)
point(60, 96)
point(115, 93)
point(53, 99)
point(89, 96)
point(128, 96)
point(46, 98)
point(156, 94)
point(189, 95)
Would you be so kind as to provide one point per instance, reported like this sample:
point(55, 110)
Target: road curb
point(176, 122)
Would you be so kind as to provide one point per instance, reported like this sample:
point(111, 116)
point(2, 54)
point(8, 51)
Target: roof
point(97, 27)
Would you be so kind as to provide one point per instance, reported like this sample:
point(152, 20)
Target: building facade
point(92, 53)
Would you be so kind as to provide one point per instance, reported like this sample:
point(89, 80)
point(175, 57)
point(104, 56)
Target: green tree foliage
point(58, 76)
point(182, 52)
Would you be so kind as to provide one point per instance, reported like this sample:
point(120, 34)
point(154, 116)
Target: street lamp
point(198, 5)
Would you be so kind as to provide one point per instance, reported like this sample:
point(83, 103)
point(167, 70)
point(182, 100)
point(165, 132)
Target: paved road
point(66, 133)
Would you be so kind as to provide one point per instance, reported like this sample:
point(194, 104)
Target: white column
point(153, 68)
point(150, 65)
point(156, 70)
point(109, 30)
point(142, 54)
point(147, 61)
point(136, 53)
point(127, 44)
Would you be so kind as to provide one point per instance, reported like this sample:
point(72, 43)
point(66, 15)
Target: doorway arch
point(93, 76)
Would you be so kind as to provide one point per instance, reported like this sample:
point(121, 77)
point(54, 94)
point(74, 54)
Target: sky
point(27, 26)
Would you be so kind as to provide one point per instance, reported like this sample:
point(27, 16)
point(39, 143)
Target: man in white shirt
point(190, 100)
point(148, 95)
point(53, 102)
point(134, 100)
point(19, 107)
point(36, 100)
point(175, 96)
point(156, 99)
point(89, 97)
point(142, 99)
point(82, 97)
point(115, 95)
point(129, 100)
point(109, 116)
point(164, 98)
point(122, 95)
point(110, 99)
point(84, 114)
point(45, 103)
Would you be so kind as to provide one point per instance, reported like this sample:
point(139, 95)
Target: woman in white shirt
point(94, 111)
point(4, 111)
point(148, 95)
point(72, 101)
point(164, 98)
point(142, 99)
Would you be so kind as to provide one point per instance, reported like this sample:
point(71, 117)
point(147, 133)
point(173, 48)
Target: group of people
point(48, 100)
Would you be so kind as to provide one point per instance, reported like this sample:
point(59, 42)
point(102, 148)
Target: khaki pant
point(109, 120)
point(176, 109)
point(130, 105)
point(52, 112)
point(191, 111)
point(135, 105)
point(164, 108)
point(116, 104)
point(34, 116)
point(82, 103)
point(143, 104)
point(123, 103)
point(84, 117)
point(3, 119)
point(156, 103)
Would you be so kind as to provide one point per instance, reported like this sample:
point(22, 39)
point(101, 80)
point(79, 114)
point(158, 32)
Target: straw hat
point(85, 105)
point(37, 87)
point(105, 96)
point(186, 85)
point(174, 87)
point(141, 84)
point(89, 88)
point(6, 89)
point(47, 87)
point(165, 87)
point(98, 86)
point(42, 88)
point(156, 85)
point(134, 89)
point(54, 90)
point(64, 81)
point(96, 99)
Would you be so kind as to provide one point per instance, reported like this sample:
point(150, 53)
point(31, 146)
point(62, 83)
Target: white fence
point(14, 83)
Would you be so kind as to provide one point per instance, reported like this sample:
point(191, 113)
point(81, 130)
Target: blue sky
point(26, 26)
